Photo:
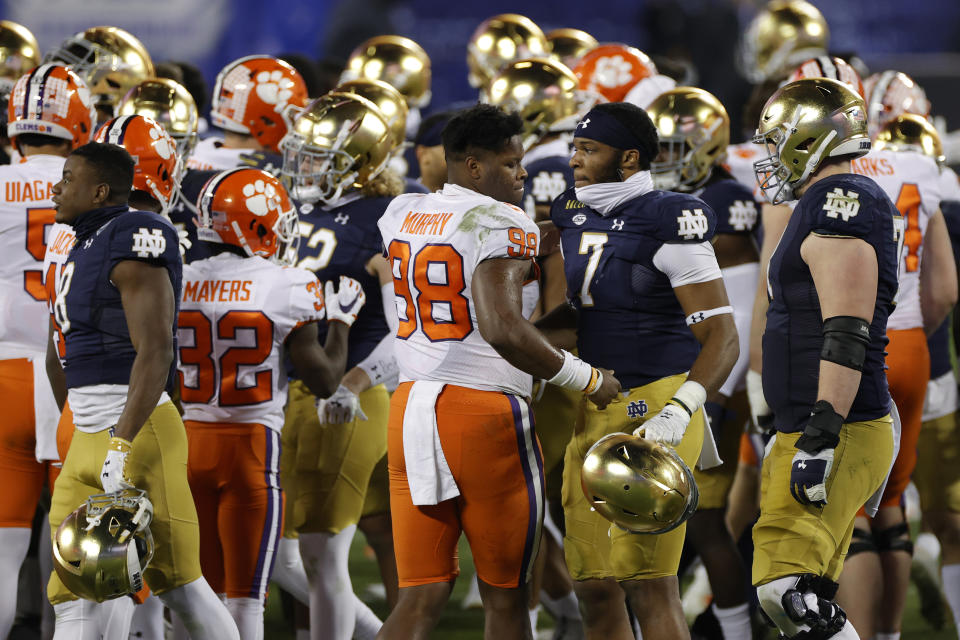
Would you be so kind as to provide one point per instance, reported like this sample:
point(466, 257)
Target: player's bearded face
point(502, 176)
point(594, 162)
point(76, 193)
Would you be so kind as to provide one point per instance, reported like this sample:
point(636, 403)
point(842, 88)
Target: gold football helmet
point(340, 141)
point(639, 485)
point(781, 36)
point(101, 549)
point(388, 100)
point(398, 61)
point(694, 132)
point(542, 91)
point(499, 40)
point(910, 132)
point(803, 123)
point(19, 52)
point(111, 61)
point(169, 104)
point(569, 45)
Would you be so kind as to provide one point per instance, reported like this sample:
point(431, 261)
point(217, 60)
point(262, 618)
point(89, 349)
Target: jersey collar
point(87, 224)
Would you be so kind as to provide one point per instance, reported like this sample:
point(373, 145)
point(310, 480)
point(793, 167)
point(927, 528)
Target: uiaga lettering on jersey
point(840, 205)
point(692, 224)
point(149, 243)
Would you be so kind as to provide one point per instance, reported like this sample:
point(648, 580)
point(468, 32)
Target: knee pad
point(861, 542)
point(797, 609)
point(895, 538)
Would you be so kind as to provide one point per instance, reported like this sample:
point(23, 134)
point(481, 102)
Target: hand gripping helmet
point(169, 104)
point(101, 549)
point(802, 124)
point(258, 96)
point(829, 67)
point(157, 167)
point(639, 485)
point(499, 40)
point(781, 36)
point(250, 209)
point(111, 61)
point(541, 91)
point(569, 45)
point(611, 70)
point(340, 141)
point(398, 61)
point(891, 93)
point(694, 132)
point(910, 132)
point(19, 52)
point(388, 100)
point(53, 101)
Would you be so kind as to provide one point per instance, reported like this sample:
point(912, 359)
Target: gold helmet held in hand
point(638, 485)
point(694, 132)
point(169, 104)
point(19, 52)
point(398, 61)
point(101, 549)
point(541, 91)
point(781, 36)
point(500, 40)
point(340, 141)
point(569, 45)
point(910, 132)
point(804, 123)
point(388, 100)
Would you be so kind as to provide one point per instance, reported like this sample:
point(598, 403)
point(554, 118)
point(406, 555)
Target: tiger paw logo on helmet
point(261, 198)
point(613, 72)
point(273, 87)
point(162, 143)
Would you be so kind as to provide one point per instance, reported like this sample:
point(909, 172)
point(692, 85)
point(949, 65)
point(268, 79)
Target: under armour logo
point(692, 224)
point(637, 409)
point(617, 225)
point(743, 215)
point(149, 243)
point(342, 218)
point(844, 206)
point(801, 465)
point(583, 123)
point(88, 243)
point(697, 317)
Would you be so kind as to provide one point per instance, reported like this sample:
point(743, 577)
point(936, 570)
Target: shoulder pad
point(684, 218)
point(841, 206)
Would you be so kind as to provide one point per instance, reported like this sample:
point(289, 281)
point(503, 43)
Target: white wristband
point(574, 373)
point(700, 316)
point(690, 396)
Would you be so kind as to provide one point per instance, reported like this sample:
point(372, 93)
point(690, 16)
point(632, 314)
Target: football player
point(43, 132)
point(832, 282)
point(117, 306)
point(463, 455)
point(694, 132)
point(617, 230)
point(233, 415)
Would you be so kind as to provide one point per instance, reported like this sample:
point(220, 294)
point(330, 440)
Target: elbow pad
point(845, 340)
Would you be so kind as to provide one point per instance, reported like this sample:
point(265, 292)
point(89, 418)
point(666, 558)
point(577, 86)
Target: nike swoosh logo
point(347, 307)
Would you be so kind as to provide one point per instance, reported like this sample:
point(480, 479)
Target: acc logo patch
point(579, 219)
point(637, 409)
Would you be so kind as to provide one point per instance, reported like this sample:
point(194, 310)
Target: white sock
point(45, 560)
point(534, 615)
point(951, 589)
point(325, 557)
point(76, 620)
point(927, 546)
point(14, 543)
point(734, 622)
point(636, 629)
point(288, 570)
point(368, 624)
point(115, 616)
point(248, 614)
point(147, 623)
point(895, 635)
point(201, 611)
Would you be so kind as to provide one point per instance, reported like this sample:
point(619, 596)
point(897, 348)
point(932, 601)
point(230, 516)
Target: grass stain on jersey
point(483, 219)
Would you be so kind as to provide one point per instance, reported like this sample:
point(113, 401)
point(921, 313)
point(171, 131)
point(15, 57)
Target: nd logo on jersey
point(149, 243)
point(743, 215)
point(844, 206)
point(547, 185)
point(637, 409)
point(692, 224)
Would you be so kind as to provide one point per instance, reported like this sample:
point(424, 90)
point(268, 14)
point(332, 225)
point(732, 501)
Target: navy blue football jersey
point(844, 205)
point(89, 310)
point(183, 213)
point(547, 178)
point(630, 319)
point(939, 341)
point(340, 241)
point(736, 210)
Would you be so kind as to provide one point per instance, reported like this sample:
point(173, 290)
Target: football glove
point(344, 305)
point(814, 458)
point(112, 473)
point(667, 427)
point(340, 408)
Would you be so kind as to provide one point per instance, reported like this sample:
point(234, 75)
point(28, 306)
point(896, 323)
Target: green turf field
point(458, 624)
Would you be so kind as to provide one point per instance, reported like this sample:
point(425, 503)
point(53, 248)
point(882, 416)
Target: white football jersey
point(211, 155)
point(235, 315)
point(434, 243)
point(26, 215)
point(59, 242)
point(912, 181)
point(949, 185)
point(739, 162)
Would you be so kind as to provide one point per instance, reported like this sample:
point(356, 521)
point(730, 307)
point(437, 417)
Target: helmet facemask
point(317, 175)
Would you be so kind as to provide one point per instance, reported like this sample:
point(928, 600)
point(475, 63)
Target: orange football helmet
point(829, 67)
point(158, 166)
point(258, 96)
point(611, 70)
point(890, 94)
point(53, 101)
point(250, 209)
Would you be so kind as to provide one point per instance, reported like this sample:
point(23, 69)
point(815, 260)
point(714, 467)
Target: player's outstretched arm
point(149, 307)
point(497, 288)
point(938, 274)
point(320, 368)
point(58, 381)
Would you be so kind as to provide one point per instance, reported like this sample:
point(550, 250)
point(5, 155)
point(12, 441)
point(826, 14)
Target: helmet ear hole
point(805, 145)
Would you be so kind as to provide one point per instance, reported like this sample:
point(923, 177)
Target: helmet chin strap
point(241, 238)
point(814, 160)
